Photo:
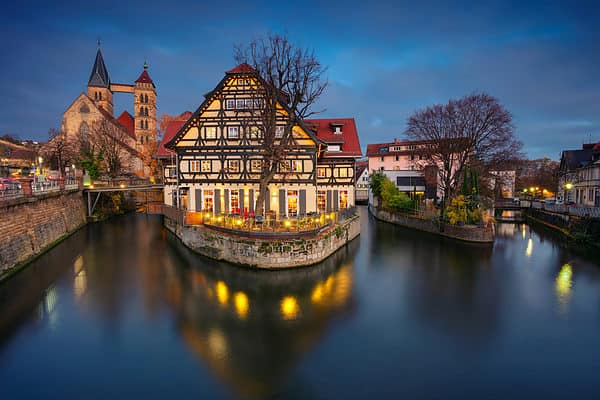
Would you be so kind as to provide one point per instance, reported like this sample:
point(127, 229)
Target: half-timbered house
point(218, 157)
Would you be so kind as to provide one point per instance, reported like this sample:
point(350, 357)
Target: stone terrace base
point(265, 253)
point(473, 234)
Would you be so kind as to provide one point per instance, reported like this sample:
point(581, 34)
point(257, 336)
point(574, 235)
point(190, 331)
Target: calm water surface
point(122, 310)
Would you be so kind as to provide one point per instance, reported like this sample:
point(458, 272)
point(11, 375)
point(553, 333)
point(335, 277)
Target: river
point(121, 309)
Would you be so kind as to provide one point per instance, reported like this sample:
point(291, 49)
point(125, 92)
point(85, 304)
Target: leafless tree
point(291, 82)
point(60, 148)
point(470, 132)
point(111, 141)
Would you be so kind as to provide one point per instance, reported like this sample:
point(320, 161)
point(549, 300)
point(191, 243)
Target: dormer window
point(337, 130)
point(334, 147)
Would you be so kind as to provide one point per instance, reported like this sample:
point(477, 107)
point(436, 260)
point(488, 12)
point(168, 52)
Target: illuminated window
point(321, 172)
point(256, 165)
point(235, 200)
point(195, 166)
point(297, 165)
point(343, 199)
point(321, 200)
point(343, 172)
point(210, 132)
point(292, 200)
point(233, 132)
point(207, 201)
point(206, 166)
point(233, 165)
point(255, 132)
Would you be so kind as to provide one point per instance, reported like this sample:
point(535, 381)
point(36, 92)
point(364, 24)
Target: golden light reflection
point(217, 344)
point(222, 292)
point(289, 308)
point(529, 249)
point(80, 284)
point(563, 287)
point(78, 264)
point(343, 286)
point(317, 294)
point(242, 305)
point(523, 231)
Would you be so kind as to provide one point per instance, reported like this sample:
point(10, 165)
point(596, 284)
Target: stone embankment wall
point(570, 225)
point(32, 224)
point(473, 234)
point(261, 252)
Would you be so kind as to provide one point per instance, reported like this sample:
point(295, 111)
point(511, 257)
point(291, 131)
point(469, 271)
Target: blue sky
point(385, 60)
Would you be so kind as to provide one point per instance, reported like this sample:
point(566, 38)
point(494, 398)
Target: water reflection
point(252, 327)
point(563, 287)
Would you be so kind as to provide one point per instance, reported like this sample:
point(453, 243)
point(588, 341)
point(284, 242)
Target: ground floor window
point(207, 200)
point(321, 200)
point(343, 199)
point(292, 200)
point(235, 201)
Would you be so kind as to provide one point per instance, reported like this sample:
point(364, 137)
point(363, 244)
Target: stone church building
point(92, 109)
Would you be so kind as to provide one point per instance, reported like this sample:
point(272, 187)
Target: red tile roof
point(172, 128)
point(144, 78)
point(348, 139)
point(126, 120)
point(242, 69)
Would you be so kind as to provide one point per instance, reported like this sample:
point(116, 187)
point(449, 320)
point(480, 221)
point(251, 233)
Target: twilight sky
point(541, 59)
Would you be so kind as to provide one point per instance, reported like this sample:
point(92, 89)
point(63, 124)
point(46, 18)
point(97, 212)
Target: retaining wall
point(265, 253)
point(32, 224)
point(468, 233)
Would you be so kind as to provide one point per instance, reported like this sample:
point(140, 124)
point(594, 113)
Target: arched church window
point(99, 95)
point(146, 98)
point(84, 135)
point(84, 109)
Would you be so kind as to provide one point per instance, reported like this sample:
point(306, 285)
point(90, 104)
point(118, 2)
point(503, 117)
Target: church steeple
point(99, 84)
point(99, 76)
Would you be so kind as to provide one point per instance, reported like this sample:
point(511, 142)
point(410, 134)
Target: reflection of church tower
point(145, 108)
point(99, 84)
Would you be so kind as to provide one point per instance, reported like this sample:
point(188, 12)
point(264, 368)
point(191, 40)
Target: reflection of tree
point(251, 327)
point(453, 289)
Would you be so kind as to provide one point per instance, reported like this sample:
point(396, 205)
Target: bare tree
point(291, 82)
point(60, 149)
point(110, 140)
point(472, 132)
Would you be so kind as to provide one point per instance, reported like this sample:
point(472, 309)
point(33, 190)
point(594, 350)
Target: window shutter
point(328, 206)
point(226, 210)
point(241, 201)
point(336, 200)
point(281, 202)
point(198, 195)
point(267, 201)
point(302, 201)
point(251, 200)
point(217, 201)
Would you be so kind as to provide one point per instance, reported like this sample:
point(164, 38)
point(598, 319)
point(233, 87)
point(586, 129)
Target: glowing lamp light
point(91, 186)
point(532, 189)
point(525, 190)
point(287, 223)
point(568, 186)
point(238, 222)
point(222, 292)
point(122, 185)
point(242, 305)
point(289, 307)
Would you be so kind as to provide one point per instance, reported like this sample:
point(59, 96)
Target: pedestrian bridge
point(94, 191)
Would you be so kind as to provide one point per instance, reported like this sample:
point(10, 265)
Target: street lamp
point(568, 186)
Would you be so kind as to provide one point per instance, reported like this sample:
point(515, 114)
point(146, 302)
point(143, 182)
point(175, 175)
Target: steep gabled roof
point(99, 76)
point(172, 129)
point(144, 78)
point(348, 139)
point(360, 167)
point(127, 121)
point(243, 70)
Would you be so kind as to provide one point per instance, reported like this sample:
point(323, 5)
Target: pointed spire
point(144, 76)
point(145, 64)
point(99, 76)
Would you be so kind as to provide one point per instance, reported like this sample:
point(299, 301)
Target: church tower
point(99, 84)
point(144, 108)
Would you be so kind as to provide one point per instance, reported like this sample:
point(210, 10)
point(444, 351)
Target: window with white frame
point(343, 199)
point(337, 130)
point(234, 200)
point(334, 147)
point(292, 202)
point(210, 132)
point(195, 166)
point(230, 104)
point(256, 165)
point(207, 200)
point(206, 166)
point(321, 172)
point(255, 132)
point(233, 132)
point(279, 131)
point(233, 165)
point(321, 200)
point(248, 104)
point(240, 104)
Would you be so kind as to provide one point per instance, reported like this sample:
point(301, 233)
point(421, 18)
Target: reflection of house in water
point(252, 327)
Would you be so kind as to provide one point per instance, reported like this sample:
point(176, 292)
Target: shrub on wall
point(389, 194)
